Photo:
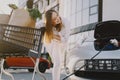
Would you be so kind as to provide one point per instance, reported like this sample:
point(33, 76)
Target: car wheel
point(30, 70)
point(42, 67)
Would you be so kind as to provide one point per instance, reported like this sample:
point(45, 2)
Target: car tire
point(30, 70)
point(42, 66)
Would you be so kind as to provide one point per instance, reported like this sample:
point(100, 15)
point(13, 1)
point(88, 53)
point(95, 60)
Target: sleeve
point(65, 34)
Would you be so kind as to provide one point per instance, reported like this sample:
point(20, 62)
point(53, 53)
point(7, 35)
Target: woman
point(56, 39)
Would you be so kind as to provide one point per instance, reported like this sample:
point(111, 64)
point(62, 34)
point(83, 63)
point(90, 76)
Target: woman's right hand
point(57, 37)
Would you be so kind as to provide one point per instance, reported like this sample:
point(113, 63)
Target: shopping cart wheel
point(43, 66)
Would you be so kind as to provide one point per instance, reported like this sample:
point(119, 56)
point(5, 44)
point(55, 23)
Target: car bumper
point(98, 74)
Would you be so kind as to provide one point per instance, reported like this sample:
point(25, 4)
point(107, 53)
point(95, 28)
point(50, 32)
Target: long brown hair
point(49, 26)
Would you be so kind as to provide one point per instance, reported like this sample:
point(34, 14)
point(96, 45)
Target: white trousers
point(57, 51)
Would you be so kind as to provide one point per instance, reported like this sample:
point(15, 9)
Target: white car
point(92, 53)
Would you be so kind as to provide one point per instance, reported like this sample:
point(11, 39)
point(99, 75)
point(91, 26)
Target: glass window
point(85, 4)
point(73, 6)
point(69, 8)
point(78, 17)
point(93, 10)
point(94, 18)
point(93, 2)
point(81, 12)
point(73, 21)
point(79, 5)
point(65, 8)
point(85, 16)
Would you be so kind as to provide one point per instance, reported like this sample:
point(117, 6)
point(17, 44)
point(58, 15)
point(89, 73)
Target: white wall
point(111, 10)
point(22, 3)
point(4, 8)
